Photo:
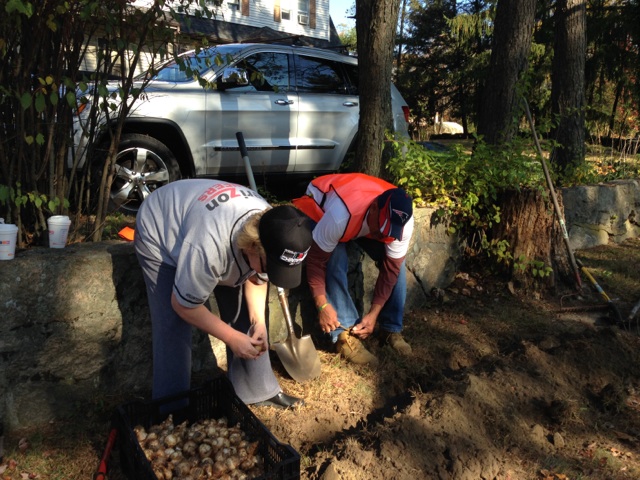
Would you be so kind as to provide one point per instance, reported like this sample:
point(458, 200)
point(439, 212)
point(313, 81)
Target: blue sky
point(337, 9)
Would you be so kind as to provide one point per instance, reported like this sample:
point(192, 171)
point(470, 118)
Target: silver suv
point(296, 107)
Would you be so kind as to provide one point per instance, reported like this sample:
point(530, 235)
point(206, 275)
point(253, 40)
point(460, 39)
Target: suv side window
point(319, 75)
point(352, 74)
point(268, 72)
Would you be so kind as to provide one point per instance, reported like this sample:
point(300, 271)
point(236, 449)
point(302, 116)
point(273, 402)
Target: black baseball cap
point(396, 208)
point(285, 233)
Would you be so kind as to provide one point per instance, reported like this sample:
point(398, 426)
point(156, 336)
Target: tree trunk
point(376, 22)
point(531, 227)
point(567, 86)
point(497, 119)
point(614, 108)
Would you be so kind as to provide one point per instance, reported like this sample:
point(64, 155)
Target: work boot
point(395, 341)
point(353, 350)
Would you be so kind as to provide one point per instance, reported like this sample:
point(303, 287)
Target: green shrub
point(463, 186)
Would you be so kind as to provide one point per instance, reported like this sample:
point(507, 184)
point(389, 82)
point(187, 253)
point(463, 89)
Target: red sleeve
point(387, 279)
point(317, 269)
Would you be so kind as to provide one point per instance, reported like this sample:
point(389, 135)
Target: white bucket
point(8, 239)
point(58, 230)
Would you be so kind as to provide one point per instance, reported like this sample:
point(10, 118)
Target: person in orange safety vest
point(378, 216)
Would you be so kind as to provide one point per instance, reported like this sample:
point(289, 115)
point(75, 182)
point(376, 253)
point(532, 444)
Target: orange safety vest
point(356, 190)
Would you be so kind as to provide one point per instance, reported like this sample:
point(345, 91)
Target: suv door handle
point(283, 102)
point(350, 104)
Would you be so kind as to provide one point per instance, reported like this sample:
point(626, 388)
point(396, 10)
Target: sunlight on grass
point(50, 455)
point(604, 464)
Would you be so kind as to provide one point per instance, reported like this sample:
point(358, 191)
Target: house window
point(285, 9)
point(303, 12)
point(234, 5)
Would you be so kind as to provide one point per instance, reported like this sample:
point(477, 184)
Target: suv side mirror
point(232, 77)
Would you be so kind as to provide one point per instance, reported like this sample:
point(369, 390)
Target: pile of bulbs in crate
point(206, 449)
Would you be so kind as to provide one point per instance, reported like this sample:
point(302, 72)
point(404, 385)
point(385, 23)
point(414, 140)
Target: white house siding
point(261, 15)
point(90, 60)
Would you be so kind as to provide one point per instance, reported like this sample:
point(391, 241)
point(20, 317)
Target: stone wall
point(599, 214)
point(75, 324)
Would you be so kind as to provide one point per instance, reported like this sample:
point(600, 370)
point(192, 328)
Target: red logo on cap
point(293, 258)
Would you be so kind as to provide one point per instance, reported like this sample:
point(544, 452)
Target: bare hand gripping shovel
point(298, 355)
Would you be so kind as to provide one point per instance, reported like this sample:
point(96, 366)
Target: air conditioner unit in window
point(303, 19)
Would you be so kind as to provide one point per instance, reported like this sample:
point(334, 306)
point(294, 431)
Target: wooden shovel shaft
point(282, 296)
point(556, 206)
point(298, 355)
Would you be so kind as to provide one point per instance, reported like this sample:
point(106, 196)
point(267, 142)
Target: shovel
point(298, 355)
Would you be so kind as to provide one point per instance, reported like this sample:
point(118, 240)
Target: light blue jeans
point(390, 318)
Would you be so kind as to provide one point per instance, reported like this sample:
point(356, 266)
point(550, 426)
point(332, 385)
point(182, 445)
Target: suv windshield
point(200, 63)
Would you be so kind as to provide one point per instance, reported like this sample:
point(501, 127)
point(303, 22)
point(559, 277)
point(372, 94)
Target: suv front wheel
point(143, 164)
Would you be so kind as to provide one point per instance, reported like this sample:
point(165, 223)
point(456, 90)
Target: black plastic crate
point(213, 400)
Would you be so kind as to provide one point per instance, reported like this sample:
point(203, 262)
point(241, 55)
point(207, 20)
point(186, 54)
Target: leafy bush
point(464, 185)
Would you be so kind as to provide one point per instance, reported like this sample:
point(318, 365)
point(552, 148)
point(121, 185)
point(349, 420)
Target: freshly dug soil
point(501, 385)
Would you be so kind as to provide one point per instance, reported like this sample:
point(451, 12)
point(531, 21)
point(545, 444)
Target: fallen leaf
point(23, 444)
point(624, 436)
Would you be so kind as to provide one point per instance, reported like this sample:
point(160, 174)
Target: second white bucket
point(58, 230)
point(8, 237)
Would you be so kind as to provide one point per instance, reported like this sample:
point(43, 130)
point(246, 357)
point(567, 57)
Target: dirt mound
point(499, 387)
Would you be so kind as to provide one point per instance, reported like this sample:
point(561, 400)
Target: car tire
point(143, 164)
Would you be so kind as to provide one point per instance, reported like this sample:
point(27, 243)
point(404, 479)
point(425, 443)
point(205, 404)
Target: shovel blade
point(299, 357)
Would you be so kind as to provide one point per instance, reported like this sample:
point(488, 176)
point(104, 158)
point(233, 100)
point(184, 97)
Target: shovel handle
point(101, 473)
point(554, 198)
point(245, 159)
point(282, 296)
